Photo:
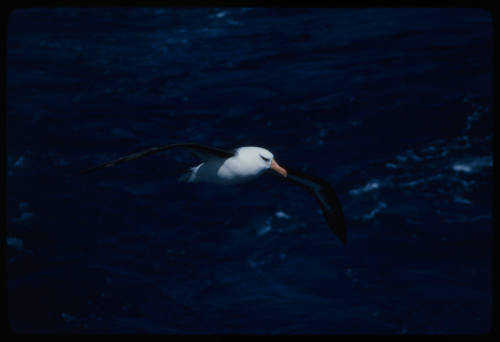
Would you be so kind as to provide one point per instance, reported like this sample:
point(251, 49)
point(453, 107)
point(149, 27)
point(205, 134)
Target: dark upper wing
point(323, 192)
point(204, 152)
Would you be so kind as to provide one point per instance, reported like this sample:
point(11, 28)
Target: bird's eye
point(264, 158)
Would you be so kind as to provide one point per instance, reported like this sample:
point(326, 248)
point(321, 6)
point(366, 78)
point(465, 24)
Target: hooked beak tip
point(275, 167)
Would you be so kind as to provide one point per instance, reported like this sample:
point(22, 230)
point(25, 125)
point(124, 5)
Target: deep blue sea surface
point(393, 107)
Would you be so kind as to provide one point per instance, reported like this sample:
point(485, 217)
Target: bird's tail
point(188, 175)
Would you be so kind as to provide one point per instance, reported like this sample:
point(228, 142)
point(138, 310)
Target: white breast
point(237, 170)
point(243, 167)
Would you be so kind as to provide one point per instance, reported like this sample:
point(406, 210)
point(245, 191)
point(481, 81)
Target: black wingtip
point(330, 204)
point(340, 231)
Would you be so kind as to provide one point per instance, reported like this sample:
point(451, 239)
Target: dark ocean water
point(392, 106)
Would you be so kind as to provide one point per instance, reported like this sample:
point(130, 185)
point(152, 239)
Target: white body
point(248, 163)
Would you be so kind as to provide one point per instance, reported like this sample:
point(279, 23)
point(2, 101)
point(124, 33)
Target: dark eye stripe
point(265, 159)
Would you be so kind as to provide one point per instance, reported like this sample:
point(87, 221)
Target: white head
point(261, 159)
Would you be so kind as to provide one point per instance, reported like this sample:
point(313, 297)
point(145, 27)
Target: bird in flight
point(243, 164)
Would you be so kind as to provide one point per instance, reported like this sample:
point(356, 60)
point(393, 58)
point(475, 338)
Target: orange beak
point(278, 168)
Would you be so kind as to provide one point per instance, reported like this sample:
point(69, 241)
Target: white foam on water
point(459, 199)
point(432, 151)
point(473, 165)
point(265, 229)
point(221, 14)
point(411, 184)
point(282, 215)
point(413, 156)
point(370, 186)
point(375, 211)
point(462, 168)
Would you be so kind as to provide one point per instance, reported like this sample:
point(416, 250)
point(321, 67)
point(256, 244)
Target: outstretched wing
point(203, 152)
point(324, 194)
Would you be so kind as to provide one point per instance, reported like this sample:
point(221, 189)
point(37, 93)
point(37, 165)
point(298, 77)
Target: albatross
point(243, 164)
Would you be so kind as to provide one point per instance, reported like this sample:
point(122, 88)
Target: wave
point(454, 169)
point(473, 165)
point(370, 186)
point(380, 206)
point(282, 215)
point(265, 229)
